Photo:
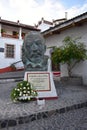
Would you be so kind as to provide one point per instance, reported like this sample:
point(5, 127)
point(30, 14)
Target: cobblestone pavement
point(72, 120)
point(67, 96)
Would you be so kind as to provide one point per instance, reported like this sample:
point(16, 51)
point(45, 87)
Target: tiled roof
point(17, 24)
point(44, 21)
point(68, 23)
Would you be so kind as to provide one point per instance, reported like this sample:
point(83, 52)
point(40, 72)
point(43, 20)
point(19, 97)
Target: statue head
point(34, 46)
point(33, 49)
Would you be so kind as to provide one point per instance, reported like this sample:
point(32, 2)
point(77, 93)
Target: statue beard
point(35, 57)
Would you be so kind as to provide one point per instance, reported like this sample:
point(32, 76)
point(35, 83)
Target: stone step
point(12, 75)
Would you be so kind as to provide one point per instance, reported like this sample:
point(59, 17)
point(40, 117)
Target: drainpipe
point(66, 15)
point(20, 29)
point(0, 31)
point(20, 32)
point(0, 27)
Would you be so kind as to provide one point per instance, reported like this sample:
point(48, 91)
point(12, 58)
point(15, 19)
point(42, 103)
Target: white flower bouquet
point(23, 92)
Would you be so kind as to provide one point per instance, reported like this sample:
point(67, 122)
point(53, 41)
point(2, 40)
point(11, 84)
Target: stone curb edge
point(29, 118)
point(10, 80)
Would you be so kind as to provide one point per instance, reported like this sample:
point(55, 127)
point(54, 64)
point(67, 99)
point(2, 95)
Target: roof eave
point(69, 23)
point(14, 24)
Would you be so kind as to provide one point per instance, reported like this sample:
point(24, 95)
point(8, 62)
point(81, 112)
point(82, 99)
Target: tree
point(71, 53)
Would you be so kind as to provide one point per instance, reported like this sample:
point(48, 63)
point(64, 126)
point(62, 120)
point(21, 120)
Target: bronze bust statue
point(33, 52)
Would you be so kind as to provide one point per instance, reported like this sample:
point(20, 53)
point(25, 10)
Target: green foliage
point(3, 31)
point(57, 56)
point(73, 50)
point(23, 91)
point(71, 53)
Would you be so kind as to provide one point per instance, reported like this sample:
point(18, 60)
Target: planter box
point(71, 80)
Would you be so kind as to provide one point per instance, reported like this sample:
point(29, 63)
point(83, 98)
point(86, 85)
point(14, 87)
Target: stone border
point(75, 80)
point(5, 123)
point(10, 80)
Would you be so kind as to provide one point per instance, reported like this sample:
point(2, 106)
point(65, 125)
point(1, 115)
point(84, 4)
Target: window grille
point(10, 51)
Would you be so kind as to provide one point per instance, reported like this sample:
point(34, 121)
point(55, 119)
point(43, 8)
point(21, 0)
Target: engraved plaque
point(40, 81)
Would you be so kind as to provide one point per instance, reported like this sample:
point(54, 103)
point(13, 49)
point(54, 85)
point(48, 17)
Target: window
point(10, 51)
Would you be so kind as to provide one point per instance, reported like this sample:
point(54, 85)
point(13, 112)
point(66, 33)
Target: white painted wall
point(44, 26)
point(78, 31)
point(74, 32)
point(4, 62)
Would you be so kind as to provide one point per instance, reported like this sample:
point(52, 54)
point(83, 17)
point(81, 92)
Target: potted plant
point(3, 31)
point(23, 92)
point(15, 34)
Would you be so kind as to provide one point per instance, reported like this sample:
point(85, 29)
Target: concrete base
point(71, 80)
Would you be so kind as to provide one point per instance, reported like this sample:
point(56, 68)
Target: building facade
point(11, 40)
point(75, 27)
point(43, 24)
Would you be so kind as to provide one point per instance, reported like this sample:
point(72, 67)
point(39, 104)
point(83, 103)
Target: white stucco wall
point(78, 31)
point(4, 62)
point(44, 27)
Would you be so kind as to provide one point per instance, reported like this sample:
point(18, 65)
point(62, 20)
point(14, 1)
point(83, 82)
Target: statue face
point(35, 50)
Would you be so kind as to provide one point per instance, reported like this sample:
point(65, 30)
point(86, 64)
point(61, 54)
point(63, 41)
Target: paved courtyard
point(73, 120)
point(68, 112)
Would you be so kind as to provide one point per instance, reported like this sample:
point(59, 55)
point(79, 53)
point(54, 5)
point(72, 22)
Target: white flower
point(28, 98)
point(21, 84)
point(18, 89)
point(15, 98)
point(20, 94)
point(28, 88)
point(24, 95)
point(24, 87)
point(27, 84)
point(24, 91)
